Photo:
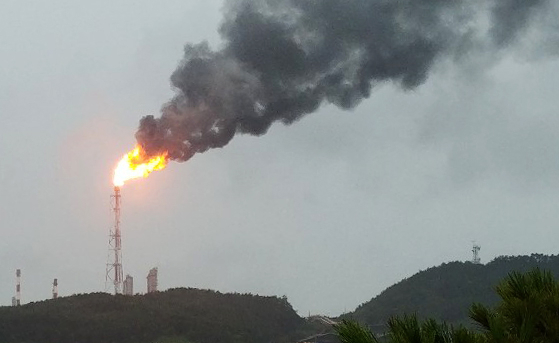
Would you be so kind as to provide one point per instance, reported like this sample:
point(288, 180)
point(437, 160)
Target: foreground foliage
point(407, 329)
point(528, 312)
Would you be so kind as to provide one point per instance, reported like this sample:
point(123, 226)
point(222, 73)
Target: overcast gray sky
point(328, 211)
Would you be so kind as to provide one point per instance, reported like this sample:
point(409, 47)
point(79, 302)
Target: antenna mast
point(114, 273)
point(475, 250)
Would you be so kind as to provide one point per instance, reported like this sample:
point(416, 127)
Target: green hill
point(177, 315)
point(446, 292)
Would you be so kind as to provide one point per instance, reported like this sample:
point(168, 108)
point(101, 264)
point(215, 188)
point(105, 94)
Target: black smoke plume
point(282, 59)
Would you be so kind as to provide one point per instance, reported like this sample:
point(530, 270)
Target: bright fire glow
point(136, 164)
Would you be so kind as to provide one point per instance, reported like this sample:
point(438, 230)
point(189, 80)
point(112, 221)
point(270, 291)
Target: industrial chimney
point(18, 287)
point(55, 289)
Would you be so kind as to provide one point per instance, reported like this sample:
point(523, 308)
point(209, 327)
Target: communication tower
point(475, 250)
point(114, 273)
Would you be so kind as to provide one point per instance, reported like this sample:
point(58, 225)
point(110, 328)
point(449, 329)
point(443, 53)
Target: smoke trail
point(282, 59)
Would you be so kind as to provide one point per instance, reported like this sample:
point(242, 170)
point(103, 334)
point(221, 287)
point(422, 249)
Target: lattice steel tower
point(475, 250)
point(114, 274)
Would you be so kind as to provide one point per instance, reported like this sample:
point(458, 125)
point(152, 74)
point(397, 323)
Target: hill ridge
point(187, 314)
point(446, 292)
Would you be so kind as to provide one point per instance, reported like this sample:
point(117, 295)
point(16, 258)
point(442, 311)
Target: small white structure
point(152, 280)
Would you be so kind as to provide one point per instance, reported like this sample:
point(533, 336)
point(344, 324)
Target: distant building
point(128, 286)
point(152, 280)
point(14, 301)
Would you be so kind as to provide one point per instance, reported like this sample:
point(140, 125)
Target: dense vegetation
point(446, 292)
point(528, 312)
point(177, 315)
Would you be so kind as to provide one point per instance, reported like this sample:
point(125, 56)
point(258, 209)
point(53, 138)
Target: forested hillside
point(446, 292)
point(177, 315)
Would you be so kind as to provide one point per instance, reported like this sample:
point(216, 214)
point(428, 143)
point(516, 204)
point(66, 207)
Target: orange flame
point(137, 164)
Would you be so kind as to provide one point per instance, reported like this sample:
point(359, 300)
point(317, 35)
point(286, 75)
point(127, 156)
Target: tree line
point(177, 315)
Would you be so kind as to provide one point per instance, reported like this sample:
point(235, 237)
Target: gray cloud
point(511, 17)
point(283, 59)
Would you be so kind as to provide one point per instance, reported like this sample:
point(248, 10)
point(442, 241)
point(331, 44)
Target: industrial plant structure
point(114, 273)
point(55, 289)
point(18, 287)
point(128, 286)
point(152, 280)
